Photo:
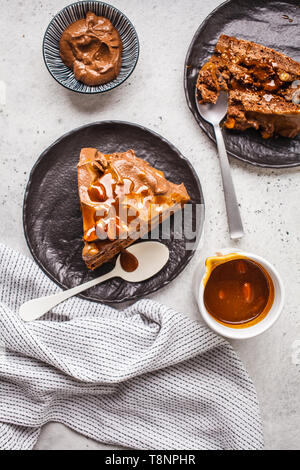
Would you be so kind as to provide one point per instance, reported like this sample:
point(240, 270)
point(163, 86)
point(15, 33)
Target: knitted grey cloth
point(146, 378)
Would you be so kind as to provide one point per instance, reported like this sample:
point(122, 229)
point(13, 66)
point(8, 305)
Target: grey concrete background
point(38, 111)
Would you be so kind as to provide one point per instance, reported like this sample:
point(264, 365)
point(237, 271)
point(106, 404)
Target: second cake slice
point(261, 82)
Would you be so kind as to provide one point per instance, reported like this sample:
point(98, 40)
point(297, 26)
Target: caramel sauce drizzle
point(115, 203)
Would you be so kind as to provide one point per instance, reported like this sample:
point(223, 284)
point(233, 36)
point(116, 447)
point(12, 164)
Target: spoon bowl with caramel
point(135, 264)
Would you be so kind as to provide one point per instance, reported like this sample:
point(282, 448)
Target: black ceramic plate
point(52, 218)
point(261, 21)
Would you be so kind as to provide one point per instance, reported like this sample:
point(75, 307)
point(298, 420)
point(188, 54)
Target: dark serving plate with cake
point(249, 49)
point(92, 166)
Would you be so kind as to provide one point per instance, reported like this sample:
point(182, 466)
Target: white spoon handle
point(36, 308)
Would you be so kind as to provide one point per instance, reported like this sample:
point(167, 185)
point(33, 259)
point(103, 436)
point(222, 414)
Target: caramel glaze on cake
point(262, 86)
point(122, 197)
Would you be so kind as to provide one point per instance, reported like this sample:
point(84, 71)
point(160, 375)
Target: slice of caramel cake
point(122, 198)
point(263, 85)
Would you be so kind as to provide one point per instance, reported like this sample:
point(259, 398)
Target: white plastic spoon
point(151, 256)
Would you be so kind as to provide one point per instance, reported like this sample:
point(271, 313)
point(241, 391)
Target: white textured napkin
point(147, 377)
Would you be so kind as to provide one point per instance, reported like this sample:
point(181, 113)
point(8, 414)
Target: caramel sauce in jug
point(238, 292)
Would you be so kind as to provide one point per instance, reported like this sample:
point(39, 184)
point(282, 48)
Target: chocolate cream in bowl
point(92, 48)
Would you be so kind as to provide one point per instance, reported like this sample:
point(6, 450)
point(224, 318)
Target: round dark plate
point(69, 15)
point(52, 217)
point(264, 22)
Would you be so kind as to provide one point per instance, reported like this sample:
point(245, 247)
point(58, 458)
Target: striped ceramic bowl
point(77, 11)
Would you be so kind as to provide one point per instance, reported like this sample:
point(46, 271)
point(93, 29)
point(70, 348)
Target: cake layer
point(270, 114)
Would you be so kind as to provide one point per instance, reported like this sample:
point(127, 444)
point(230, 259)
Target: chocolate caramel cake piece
point(263, 87)
point(122, 198)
